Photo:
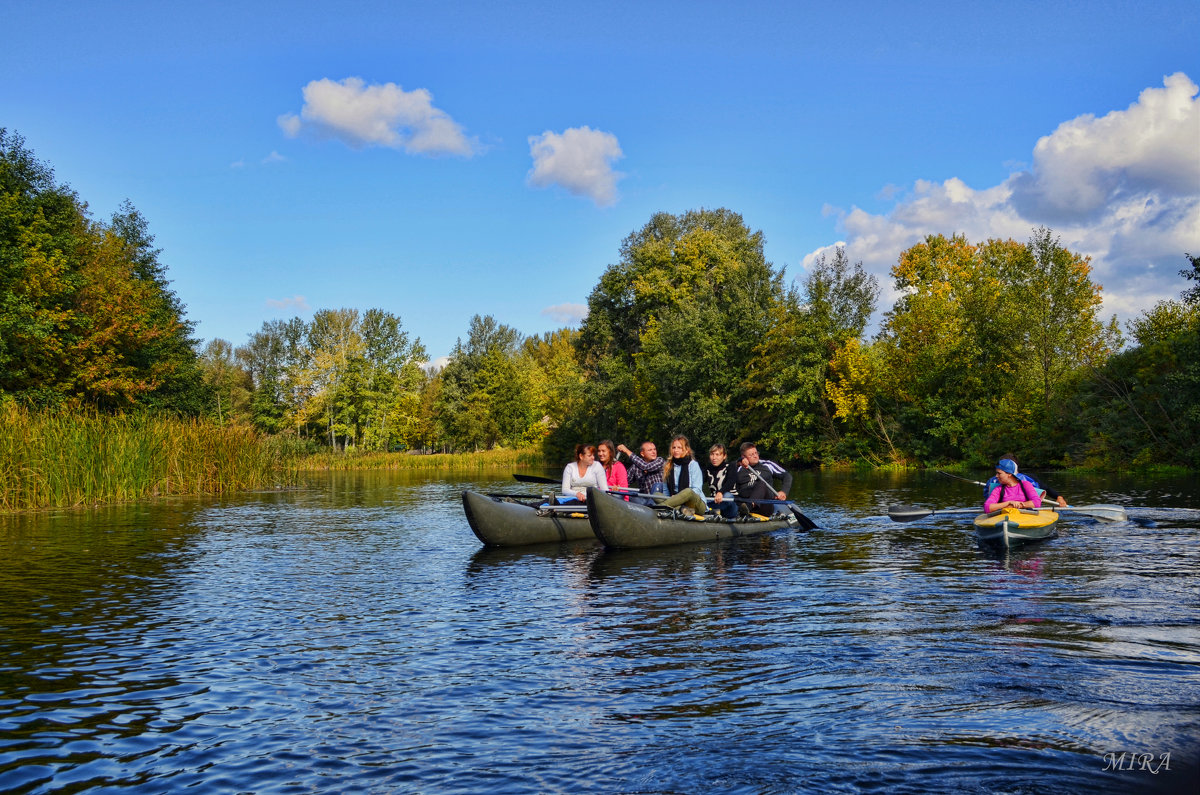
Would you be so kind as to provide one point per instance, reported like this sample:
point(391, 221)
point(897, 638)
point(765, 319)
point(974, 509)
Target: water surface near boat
point(354, 636)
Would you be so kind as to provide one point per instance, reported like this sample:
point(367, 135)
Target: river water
point(354, 636)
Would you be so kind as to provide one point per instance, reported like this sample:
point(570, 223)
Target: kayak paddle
point(535, 479)
point(910, 513)
point(1109, 513)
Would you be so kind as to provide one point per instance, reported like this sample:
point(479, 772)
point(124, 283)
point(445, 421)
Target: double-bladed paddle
point(910, 513)
point(1109, 513)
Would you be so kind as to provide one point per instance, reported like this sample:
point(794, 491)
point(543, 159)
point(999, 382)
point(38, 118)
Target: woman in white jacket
point(584, 471)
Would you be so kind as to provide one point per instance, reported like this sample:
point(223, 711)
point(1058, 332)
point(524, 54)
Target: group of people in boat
point(751, 484)
point(737, 488)
point(1009, 488)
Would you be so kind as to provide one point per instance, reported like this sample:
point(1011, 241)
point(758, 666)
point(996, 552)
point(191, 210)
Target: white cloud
point(566, 314)
point(579, 160)
point(435, 365)
point(290, 124)
point(1123, 189)
point(274, 157)
point(297, 302)
point(363, 115)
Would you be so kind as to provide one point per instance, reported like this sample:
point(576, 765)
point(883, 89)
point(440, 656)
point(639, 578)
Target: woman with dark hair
point(584, 471)
point(1059, 499)
point(1011, 491)
point(685, 481)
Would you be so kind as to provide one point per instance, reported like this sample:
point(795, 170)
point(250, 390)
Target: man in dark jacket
point(756, 480)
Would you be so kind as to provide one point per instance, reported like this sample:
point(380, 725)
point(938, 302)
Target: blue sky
point(451, 159)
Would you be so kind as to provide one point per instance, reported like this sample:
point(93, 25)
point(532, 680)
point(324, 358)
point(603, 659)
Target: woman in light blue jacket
point(685, 481)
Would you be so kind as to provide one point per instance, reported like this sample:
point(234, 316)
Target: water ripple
point(354, 636)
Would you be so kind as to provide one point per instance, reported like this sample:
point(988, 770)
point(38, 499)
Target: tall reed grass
point(57, 459)
point(440, 462)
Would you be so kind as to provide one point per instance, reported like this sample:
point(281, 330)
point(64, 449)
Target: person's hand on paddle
point(1062, 501)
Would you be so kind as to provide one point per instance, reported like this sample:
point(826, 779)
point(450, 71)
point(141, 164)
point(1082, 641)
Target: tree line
point(993, 346)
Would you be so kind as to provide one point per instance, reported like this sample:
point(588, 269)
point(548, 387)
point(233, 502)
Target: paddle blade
point(907, 513)
point(534, 479)
point(805, 522)
point(1109, 513)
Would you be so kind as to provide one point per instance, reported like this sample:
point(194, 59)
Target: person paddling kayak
point(1048, 492)
point(1011, 491)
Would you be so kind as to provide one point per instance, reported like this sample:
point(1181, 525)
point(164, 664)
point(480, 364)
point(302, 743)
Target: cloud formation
point(1123, 189)
point(579, 160)
point(566, 314)
point(297, 302)
point(435, 365)
point(362, 115)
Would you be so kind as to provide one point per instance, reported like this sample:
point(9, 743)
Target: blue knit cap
point(1007, 465)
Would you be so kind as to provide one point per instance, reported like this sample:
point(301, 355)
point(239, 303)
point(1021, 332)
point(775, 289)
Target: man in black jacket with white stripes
point(756, 480)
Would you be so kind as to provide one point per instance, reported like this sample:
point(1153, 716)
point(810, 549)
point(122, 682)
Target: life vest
point(994, 481)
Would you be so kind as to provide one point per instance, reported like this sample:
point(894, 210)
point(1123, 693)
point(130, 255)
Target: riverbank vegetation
point(497, 459)
point(992, 346)
point(64, 459)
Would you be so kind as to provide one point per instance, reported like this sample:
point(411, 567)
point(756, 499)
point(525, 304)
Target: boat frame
point(1011, 526)
point(508, 522)
point(627, 525)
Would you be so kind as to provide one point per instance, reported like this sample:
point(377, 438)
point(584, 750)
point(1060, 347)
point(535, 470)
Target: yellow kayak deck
point(1016, 525)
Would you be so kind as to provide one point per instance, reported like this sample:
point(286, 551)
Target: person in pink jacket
point(1012, 491)
point(614, 470)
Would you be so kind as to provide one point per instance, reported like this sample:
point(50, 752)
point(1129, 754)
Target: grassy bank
point(65, 459)
point(484, 460)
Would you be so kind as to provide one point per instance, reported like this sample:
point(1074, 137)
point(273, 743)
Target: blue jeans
point(727, 508)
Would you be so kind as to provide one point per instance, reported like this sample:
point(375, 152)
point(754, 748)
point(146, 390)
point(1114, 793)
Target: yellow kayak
point(1010, 526)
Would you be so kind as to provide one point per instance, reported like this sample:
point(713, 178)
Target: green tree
point(672, 328)
point(429, 433)
point(551, 370)
point(483, 400)
point(792, 364)
point(42, 225)
point(263, 358)
point(228, 382)
point(86, 315)
point(334, 345)
point(393, 379)
point(857, 388)
point(943, 368)
point(985, 342)
point(173, 352)
point(1142, 405)
point(1192, 294)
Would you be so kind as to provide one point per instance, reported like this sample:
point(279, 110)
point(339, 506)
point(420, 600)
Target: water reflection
point(354, 635)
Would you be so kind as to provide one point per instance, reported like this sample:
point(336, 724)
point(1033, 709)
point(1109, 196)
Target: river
point(353, 635)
